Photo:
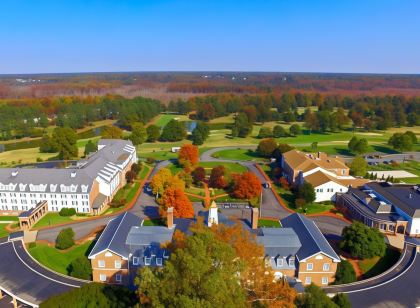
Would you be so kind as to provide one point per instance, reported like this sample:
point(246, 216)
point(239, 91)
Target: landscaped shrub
point(80, 268)
point(345, 273)
point(117, 203)
point(135, 168)
point(66, 211)
point(32, 245)
point(65, 239)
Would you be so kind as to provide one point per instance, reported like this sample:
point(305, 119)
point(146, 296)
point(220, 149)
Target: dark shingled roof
point(310, 236)
point(279, 241)
point(114, 236)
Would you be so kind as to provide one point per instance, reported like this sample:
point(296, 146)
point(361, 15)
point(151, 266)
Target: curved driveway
point(30, 282)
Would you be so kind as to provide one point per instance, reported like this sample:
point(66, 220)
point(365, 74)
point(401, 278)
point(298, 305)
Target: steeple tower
point(213, 217)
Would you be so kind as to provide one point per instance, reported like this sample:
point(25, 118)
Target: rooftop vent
point(73, 174)
point(15, 173)
point(410, 196)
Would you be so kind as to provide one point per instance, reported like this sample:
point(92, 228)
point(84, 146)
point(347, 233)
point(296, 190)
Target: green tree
point(306, 192)
point(345, 273)
point(279, 131)
point(65, 239)
point(200, 133)
point(64, 141)
point(341, 300)
point(153, 133)
point(314, 297)
point(402, 142)
point(90, 147)
point(358, 166)
point(204, 273)
point(358, 146)
point(295, 129)
point(362, 241)
point(173, 131)
point(265, 132)
point(93, 295)
point(138, 133)
point(112, 132)
point(242, 126)
point(80, 268)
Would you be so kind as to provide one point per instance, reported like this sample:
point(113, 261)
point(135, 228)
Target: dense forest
point(170, 85)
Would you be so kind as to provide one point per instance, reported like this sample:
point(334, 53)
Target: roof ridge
point(116, 231)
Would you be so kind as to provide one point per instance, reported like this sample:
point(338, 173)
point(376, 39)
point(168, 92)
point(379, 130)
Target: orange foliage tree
point(176, 198)
point(163, 179)
point(188, 156)
point(246, 186)
point(217, 177)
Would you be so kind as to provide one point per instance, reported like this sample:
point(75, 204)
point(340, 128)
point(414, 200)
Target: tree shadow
point(151, 212)
point(383, 149)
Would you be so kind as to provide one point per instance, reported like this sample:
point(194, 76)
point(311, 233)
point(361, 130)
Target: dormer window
point(147, 261)
point(159, 261)
point(279, 262)
point(291, 262)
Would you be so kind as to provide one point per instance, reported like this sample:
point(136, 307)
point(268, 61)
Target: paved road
point(398, 289)
point(22, 276)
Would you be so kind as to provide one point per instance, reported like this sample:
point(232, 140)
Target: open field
point(238, 154)
point(58, 260)
point(412, 167)
point(23, 156)
point(231, 167)
point(377, 265)
point(163, 119)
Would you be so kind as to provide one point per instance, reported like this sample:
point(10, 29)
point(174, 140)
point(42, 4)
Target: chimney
point(170, 217)
point(254, 218)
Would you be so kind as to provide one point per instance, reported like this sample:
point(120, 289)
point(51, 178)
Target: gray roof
point(148, 235)
point(102, 163)
point(311, 238)
point(279, 241)
point(114, 236)
point(404, 197)
point(99, 201)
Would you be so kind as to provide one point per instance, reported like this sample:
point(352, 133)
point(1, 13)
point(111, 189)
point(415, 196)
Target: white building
point(86, 187)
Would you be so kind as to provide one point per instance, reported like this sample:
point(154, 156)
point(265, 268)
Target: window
point(117, 264)
point(135, 261)
point(159, 261)
point(279, 262)
point(308, 280)
point(101, 263)
point(291, 261)
point(102, 277)
point(326, 267)
point(343, 172)
point(118, 277)
point(147, 261)
point(310, 266)
point(324, 280)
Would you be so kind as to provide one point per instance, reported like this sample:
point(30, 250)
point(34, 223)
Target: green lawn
point(195, 190)
point(163, 119)
point(143, 172)
point(376, 265)
point(51, 219)
point(267, 223)
point(127, 192)
point(154, 222)
point(238, 154)
point(3, 231)
point(9, 218)
point(232, 167)
point(56, 259)
point(409, 166)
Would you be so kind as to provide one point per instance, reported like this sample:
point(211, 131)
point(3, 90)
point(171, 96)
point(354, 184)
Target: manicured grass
point(238, 154)
point(376, 265)
point(58, 260)
point(52, 219)
point(267, 223)
point(232, 167)
point(144, 171)
point(23, 156)
point(154, 222)
point(216, 192)
point(163, 119)
point(194, 198)
point(409, 166)
point(127, 192)
point(9, 218)
point(195, 191)
point(3, 231)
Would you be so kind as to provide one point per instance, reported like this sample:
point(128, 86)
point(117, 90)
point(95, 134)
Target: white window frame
point(117, 264)
point(135, 260)
point(118, 277)
point(309, 266)
point(291, 261)
point(147, 261)
point(308, 280)
point(326, 267)
point(279, 262)
point(102, 277)
point(159, 261)
point(324, 280)
point(101, 263)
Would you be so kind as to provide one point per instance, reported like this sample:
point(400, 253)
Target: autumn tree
point(130, 176)
point(163, 179)
point(256, 278)
point(218, 177)
point(266, 147)
point(198, 175)
point(176, 198)
point(112, 132)
point(203, 273)
point(188, 156)
point(246, 186)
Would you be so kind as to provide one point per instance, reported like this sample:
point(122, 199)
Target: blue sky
point(366, 36)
